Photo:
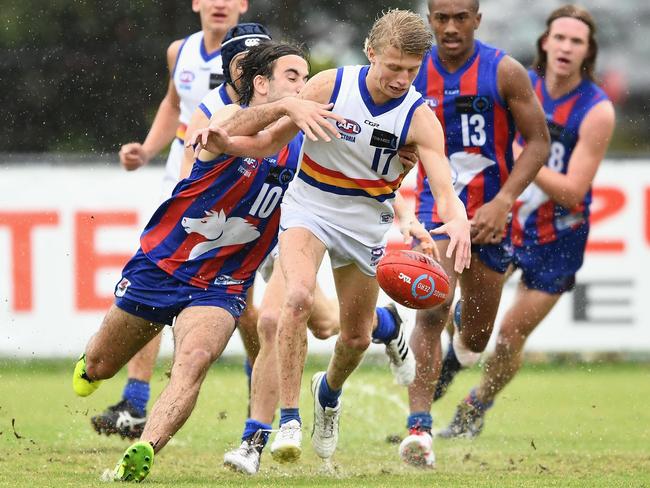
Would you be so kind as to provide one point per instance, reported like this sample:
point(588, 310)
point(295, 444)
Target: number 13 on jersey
point(473, 129)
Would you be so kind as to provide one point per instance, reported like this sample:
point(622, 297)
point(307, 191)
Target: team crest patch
point(376, 254)
point(121, 287)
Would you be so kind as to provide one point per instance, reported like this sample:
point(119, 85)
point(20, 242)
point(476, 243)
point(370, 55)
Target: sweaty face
point(453, 23)
point(290, 74)
point(566, 46)
point(392, 73)
point(219, 15)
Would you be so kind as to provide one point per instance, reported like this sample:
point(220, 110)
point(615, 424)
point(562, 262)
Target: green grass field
point(557, 425)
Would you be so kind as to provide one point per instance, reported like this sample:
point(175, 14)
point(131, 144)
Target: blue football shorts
point(148, 292)
point(552, 267)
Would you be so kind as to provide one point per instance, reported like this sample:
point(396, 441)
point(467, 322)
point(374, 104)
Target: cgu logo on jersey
point(219, 231)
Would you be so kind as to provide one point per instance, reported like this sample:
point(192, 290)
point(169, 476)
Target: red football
point(412, 279)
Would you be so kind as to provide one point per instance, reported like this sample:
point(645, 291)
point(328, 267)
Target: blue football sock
point(252, 426)
point(326, 396)
point(289, 414)
point(137, 393)
point(420, 420)
point(476, 403)
point(386, 326)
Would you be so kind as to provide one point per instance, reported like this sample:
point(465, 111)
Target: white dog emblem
point(219, 231)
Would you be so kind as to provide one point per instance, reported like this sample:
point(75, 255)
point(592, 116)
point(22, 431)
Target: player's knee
point(433, 319)
point(324, 327)
point(194, 363)
point(322, 330)
point(358, 343)
point(466, 356)
point(299, 302)
point(98, 368)
point(476, 343)
point(267, 326)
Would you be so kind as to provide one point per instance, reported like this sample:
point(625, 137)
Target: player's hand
point(408, 156)
point(311, 118)
point(132, 156)
point(213, 139)
point(415, 230)
point(489, 222)
point(459, 241)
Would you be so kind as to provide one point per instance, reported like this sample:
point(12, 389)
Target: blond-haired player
point(341, 202)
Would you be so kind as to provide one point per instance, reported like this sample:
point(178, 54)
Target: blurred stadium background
point(80, 78)
point(95, 83)
point(69, 216)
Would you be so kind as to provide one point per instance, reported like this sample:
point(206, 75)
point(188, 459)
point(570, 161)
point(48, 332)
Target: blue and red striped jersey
point(222, 221)
point(478, 128)
point(536, 218)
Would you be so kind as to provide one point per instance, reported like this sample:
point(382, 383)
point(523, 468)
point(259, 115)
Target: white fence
point(65, 232)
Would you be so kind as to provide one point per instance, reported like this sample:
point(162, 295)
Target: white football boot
point(286, 447)
point(246, 458)
point(325, 434)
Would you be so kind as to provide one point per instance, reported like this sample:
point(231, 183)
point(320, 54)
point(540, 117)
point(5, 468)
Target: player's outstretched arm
point(426, 133)
point(294, 114)
point(162, 131)
point(308, 112)
point(490, 220)
point(594, 136)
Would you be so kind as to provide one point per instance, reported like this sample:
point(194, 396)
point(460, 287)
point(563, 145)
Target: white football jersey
point(351, 182)
point(215, 100)
point(196, 73)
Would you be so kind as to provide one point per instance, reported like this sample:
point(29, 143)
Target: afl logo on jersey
point(186, 77)
point(349, 127)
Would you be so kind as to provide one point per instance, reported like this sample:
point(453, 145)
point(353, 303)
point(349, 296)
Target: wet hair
point(401, 29)
point(260, 61)
point(575, 12)
point(475, 5)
